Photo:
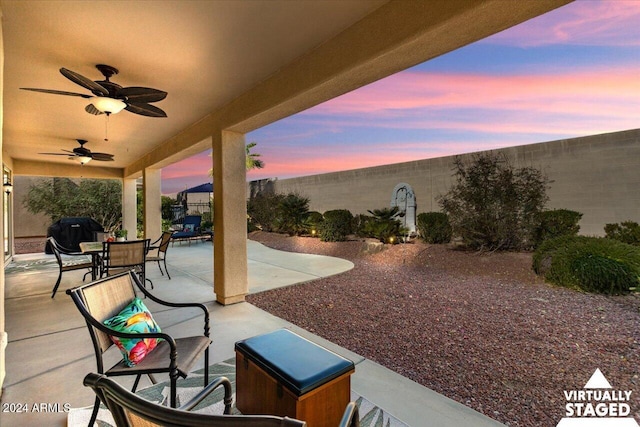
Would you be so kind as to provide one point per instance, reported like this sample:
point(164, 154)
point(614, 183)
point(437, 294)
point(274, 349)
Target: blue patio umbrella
point(202, 188)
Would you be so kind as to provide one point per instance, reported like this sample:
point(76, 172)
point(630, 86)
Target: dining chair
point(123, 256)
point(67, 264)
point(158, 251)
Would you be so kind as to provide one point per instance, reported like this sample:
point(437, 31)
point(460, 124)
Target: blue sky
point(572, 72)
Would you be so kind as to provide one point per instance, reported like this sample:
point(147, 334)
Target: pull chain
point(106, 128)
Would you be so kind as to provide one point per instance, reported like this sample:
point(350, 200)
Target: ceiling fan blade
point(91, 109)
point(56, 154)
point(146, 110)
point(56, 92)
point(139, 95)
point(84, 82)
point(102, 157)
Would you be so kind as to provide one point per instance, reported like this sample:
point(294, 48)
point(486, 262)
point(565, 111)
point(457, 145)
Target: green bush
point(384, 225)
point(626, 232)
point(312, 223)
point(556, 223)
point(263, 211)
point(592, 264)
point(493, 205)
point(359, 224)
point(336, 225)
point(434, 227)
point(293, 210)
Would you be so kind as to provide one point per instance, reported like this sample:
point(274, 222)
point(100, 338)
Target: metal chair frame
point(105, 298)
point(129, 410)
point(58, 251)
point(161, 245)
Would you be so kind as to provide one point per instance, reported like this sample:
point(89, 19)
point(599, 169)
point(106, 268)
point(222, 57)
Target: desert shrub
point(359, 224)
point(434, 227)
point(493, 205)
point(293, 211)
point(336, 225)
point(313, 221)
point(592, 264)
point(262, 211)
point(384, 225)
point(626, 232)
point(556, 223)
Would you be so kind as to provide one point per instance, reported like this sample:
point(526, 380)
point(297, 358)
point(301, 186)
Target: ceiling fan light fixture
point(108, 105)
point(83, 159)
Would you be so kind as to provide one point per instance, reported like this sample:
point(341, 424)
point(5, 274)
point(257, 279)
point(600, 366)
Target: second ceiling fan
point(83, 155)
point(109, 97)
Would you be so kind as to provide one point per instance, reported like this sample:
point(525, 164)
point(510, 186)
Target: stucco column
point(230, 218)
point(152, 203)
point(3, 334)
point(129, 208)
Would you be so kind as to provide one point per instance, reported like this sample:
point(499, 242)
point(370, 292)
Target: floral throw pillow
point(135, 318)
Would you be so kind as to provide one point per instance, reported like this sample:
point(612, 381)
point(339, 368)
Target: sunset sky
point(572, 72)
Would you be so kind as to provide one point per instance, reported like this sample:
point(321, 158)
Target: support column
point(230, 217)
point(152, 203)
point(129, 208)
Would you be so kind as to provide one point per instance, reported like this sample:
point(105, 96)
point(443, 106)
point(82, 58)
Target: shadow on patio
point(50, 352)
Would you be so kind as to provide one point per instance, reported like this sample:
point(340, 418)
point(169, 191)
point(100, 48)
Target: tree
point(251, 160)
point(493, 205)
point(100, 199)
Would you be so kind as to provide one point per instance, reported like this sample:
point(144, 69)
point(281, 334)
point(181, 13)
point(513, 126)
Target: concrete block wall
point(597, 175)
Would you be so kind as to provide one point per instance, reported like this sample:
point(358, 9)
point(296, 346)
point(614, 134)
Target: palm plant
point(294, 210)
point(384, 225)
point(251, 160)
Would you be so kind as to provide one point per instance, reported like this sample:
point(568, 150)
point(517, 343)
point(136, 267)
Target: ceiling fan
point(83, 155)
point(109, 97)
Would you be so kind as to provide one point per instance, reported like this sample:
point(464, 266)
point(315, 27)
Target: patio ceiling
point(207, 55)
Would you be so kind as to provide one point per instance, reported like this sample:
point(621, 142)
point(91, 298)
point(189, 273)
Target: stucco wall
point(25, 223)
point(598, 176)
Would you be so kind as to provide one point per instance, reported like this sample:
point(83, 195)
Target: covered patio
point(228, 68)
point(50, 350)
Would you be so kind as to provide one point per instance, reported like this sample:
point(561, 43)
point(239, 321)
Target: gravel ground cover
point(481, 329)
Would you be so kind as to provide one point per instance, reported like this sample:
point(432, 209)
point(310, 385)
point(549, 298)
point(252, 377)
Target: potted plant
point(121, 235)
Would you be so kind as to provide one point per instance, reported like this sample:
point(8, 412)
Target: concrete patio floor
point(50, 352)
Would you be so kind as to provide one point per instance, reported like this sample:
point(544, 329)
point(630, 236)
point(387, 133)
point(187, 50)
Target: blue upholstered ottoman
point(281, 373)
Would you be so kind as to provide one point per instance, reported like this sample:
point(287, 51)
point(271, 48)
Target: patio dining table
point(94, 249)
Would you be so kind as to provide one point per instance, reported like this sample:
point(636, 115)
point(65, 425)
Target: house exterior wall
point(25, 223)
point(597, 175)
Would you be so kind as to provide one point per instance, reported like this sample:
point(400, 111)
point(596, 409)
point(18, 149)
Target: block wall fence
point(597, 175)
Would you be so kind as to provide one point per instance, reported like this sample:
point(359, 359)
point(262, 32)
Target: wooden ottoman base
point(260, 391)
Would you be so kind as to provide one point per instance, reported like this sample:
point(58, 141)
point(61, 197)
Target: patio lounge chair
point(158, 251)
point(63, 265)
point(129, 410)
point(190, 228)
point(106, 300)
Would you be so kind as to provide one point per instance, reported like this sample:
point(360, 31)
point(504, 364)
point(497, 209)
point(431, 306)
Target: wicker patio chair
point(158, 251)
point(129, 410)
point(63, 265)
point(105, 298)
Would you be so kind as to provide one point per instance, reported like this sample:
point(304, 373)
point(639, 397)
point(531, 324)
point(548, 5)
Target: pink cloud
point(609, 97)
point(286, 166)
point(595, 23)
point(414, 90)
